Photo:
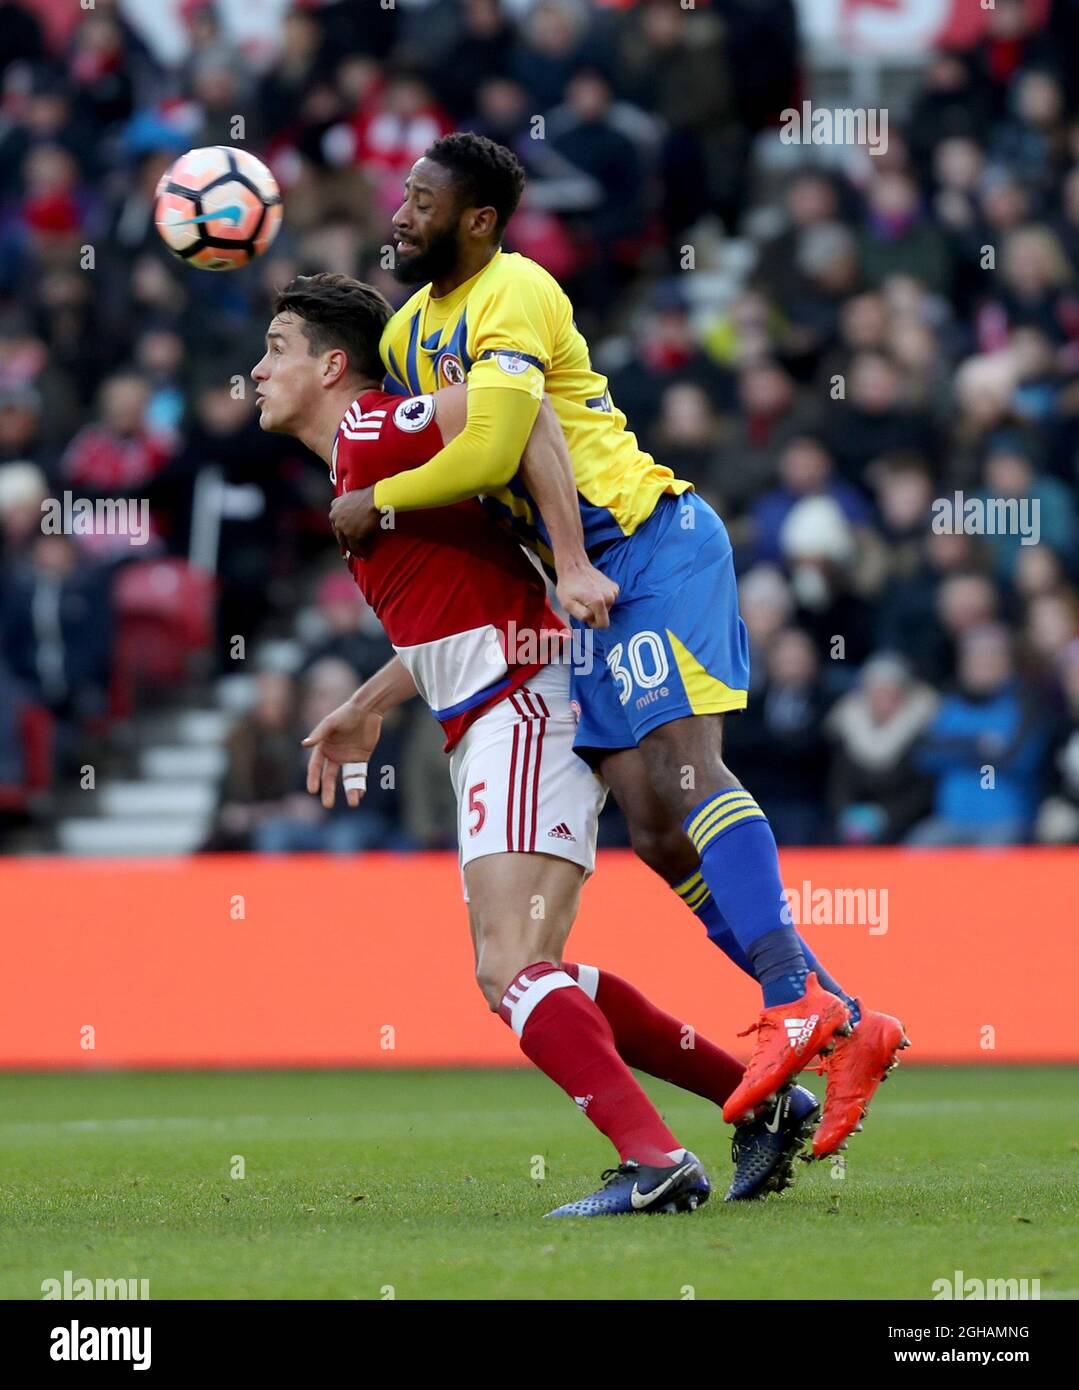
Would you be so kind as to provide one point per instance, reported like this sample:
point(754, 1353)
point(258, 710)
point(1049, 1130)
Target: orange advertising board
point(328, 961)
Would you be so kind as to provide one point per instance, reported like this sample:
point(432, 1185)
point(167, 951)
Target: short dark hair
point(486, 174)
point(339, 312)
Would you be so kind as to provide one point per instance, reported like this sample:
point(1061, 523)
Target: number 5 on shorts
point(477, 807)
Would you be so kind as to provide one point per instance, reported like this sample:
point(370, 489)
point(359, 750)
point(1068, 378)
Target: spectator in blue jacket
point(806, 469)
point(986, 749)
point(1039, 508)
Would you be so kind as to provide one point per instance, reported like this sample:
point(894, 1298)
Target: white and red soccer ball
point(217, 208)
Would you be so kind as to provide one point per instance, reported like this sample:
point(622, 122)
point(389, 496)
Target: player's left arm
point(346, 737)
point(432, 422)
point(485, 455)
point(547, 469)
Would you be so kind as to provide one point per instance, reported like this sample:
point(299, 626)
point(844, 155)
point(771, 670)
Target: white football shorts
point(520, 787)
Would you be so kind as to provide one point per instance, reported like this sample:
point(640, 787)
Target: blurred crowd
point(826, 342)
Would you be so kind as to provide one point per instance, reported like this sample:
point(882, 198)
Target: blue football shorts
point(676, 645)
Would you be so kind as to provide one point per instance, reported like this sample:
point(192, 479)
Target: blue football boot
point(764, 1150)
point(637, 1187)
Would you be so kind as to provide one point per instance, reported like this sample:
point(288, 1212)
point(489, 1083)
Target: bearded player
point(451, 588)
point(674, 659)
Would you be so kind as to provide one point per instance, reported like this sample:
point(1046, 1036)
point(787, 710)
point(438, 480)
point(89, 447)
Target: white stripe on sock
point(531, 993)
point(588, 979)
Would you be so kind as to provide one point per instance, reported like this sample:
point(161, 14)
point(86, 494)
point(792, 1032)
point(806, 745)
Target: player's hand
point(353, 516)
point(345, 739)
point(587, 595)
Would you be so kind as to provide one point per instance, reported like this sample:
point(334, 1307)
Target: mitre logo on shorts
point(510, 364)
point(450, 369)
point(415, 413)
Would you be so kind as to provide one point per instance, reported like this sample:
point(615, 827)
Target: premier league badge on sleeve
point(415, 413)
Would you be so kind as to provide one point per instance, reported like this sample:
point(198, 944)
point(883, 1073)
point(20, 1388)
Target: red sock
point(564, 1033)
point(656, 1043)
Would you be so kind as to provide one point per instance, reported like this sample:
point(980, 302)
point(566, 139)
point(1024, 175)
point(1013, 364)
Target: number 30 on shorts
point(647, 664)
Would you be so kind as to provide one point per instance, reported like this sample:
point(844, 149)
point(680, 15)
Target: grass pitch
point(414, 1185)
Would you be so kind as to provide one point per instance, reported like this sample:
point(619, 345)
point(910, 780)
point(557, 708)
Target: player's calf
point(653, 1041)
point(561, 1030)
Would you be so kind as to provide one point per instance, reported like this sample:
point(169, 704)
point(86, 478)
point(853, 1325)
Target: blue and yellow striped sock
point(697, 896)
point(740, 865)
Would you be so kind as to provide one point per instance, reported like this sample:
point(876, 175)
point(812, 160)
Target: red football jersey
point(454, 592)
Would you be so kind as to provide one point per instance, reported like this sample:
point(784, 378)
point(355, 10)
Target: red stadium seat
point(36, 735)
point(164, 614)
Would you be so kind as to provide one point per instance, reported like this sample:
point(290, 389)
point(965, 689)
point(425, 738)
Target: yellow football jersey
point(512, 326)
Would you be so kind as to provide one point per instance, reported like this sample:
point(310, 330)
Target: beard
point(436, 262)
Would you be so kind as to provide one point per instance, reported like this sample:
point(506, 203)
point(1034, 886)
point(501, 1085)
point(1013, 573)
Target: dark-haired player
point(451, 589)
point(674, 659)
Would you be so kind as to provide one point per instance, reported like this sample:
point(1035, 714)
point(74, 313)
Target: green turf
point(423, 1181)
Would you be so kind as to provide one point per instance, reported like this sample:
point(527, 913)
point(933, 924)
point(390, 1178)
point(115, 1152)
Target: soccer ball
point(217, 208)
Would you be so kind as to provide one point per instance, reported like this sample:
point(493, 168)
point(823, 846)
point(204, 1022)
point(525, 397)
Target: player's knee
point(715, 779)
point(493, 976)
point(648, 846)
point(666, 849)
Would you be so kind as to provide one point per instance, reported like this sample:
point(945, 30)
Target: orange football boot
point(788, 1036)
point(854, 1069)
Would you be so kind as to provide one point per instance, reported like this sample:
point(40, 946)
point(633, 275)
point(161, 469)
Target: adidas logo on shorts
point(561, 832)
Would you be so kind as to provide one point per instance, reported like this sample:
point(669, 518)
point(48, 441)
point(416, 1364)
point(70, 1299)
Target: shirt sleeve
point(485, 455)
point(513, 341)
point(511, 344)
